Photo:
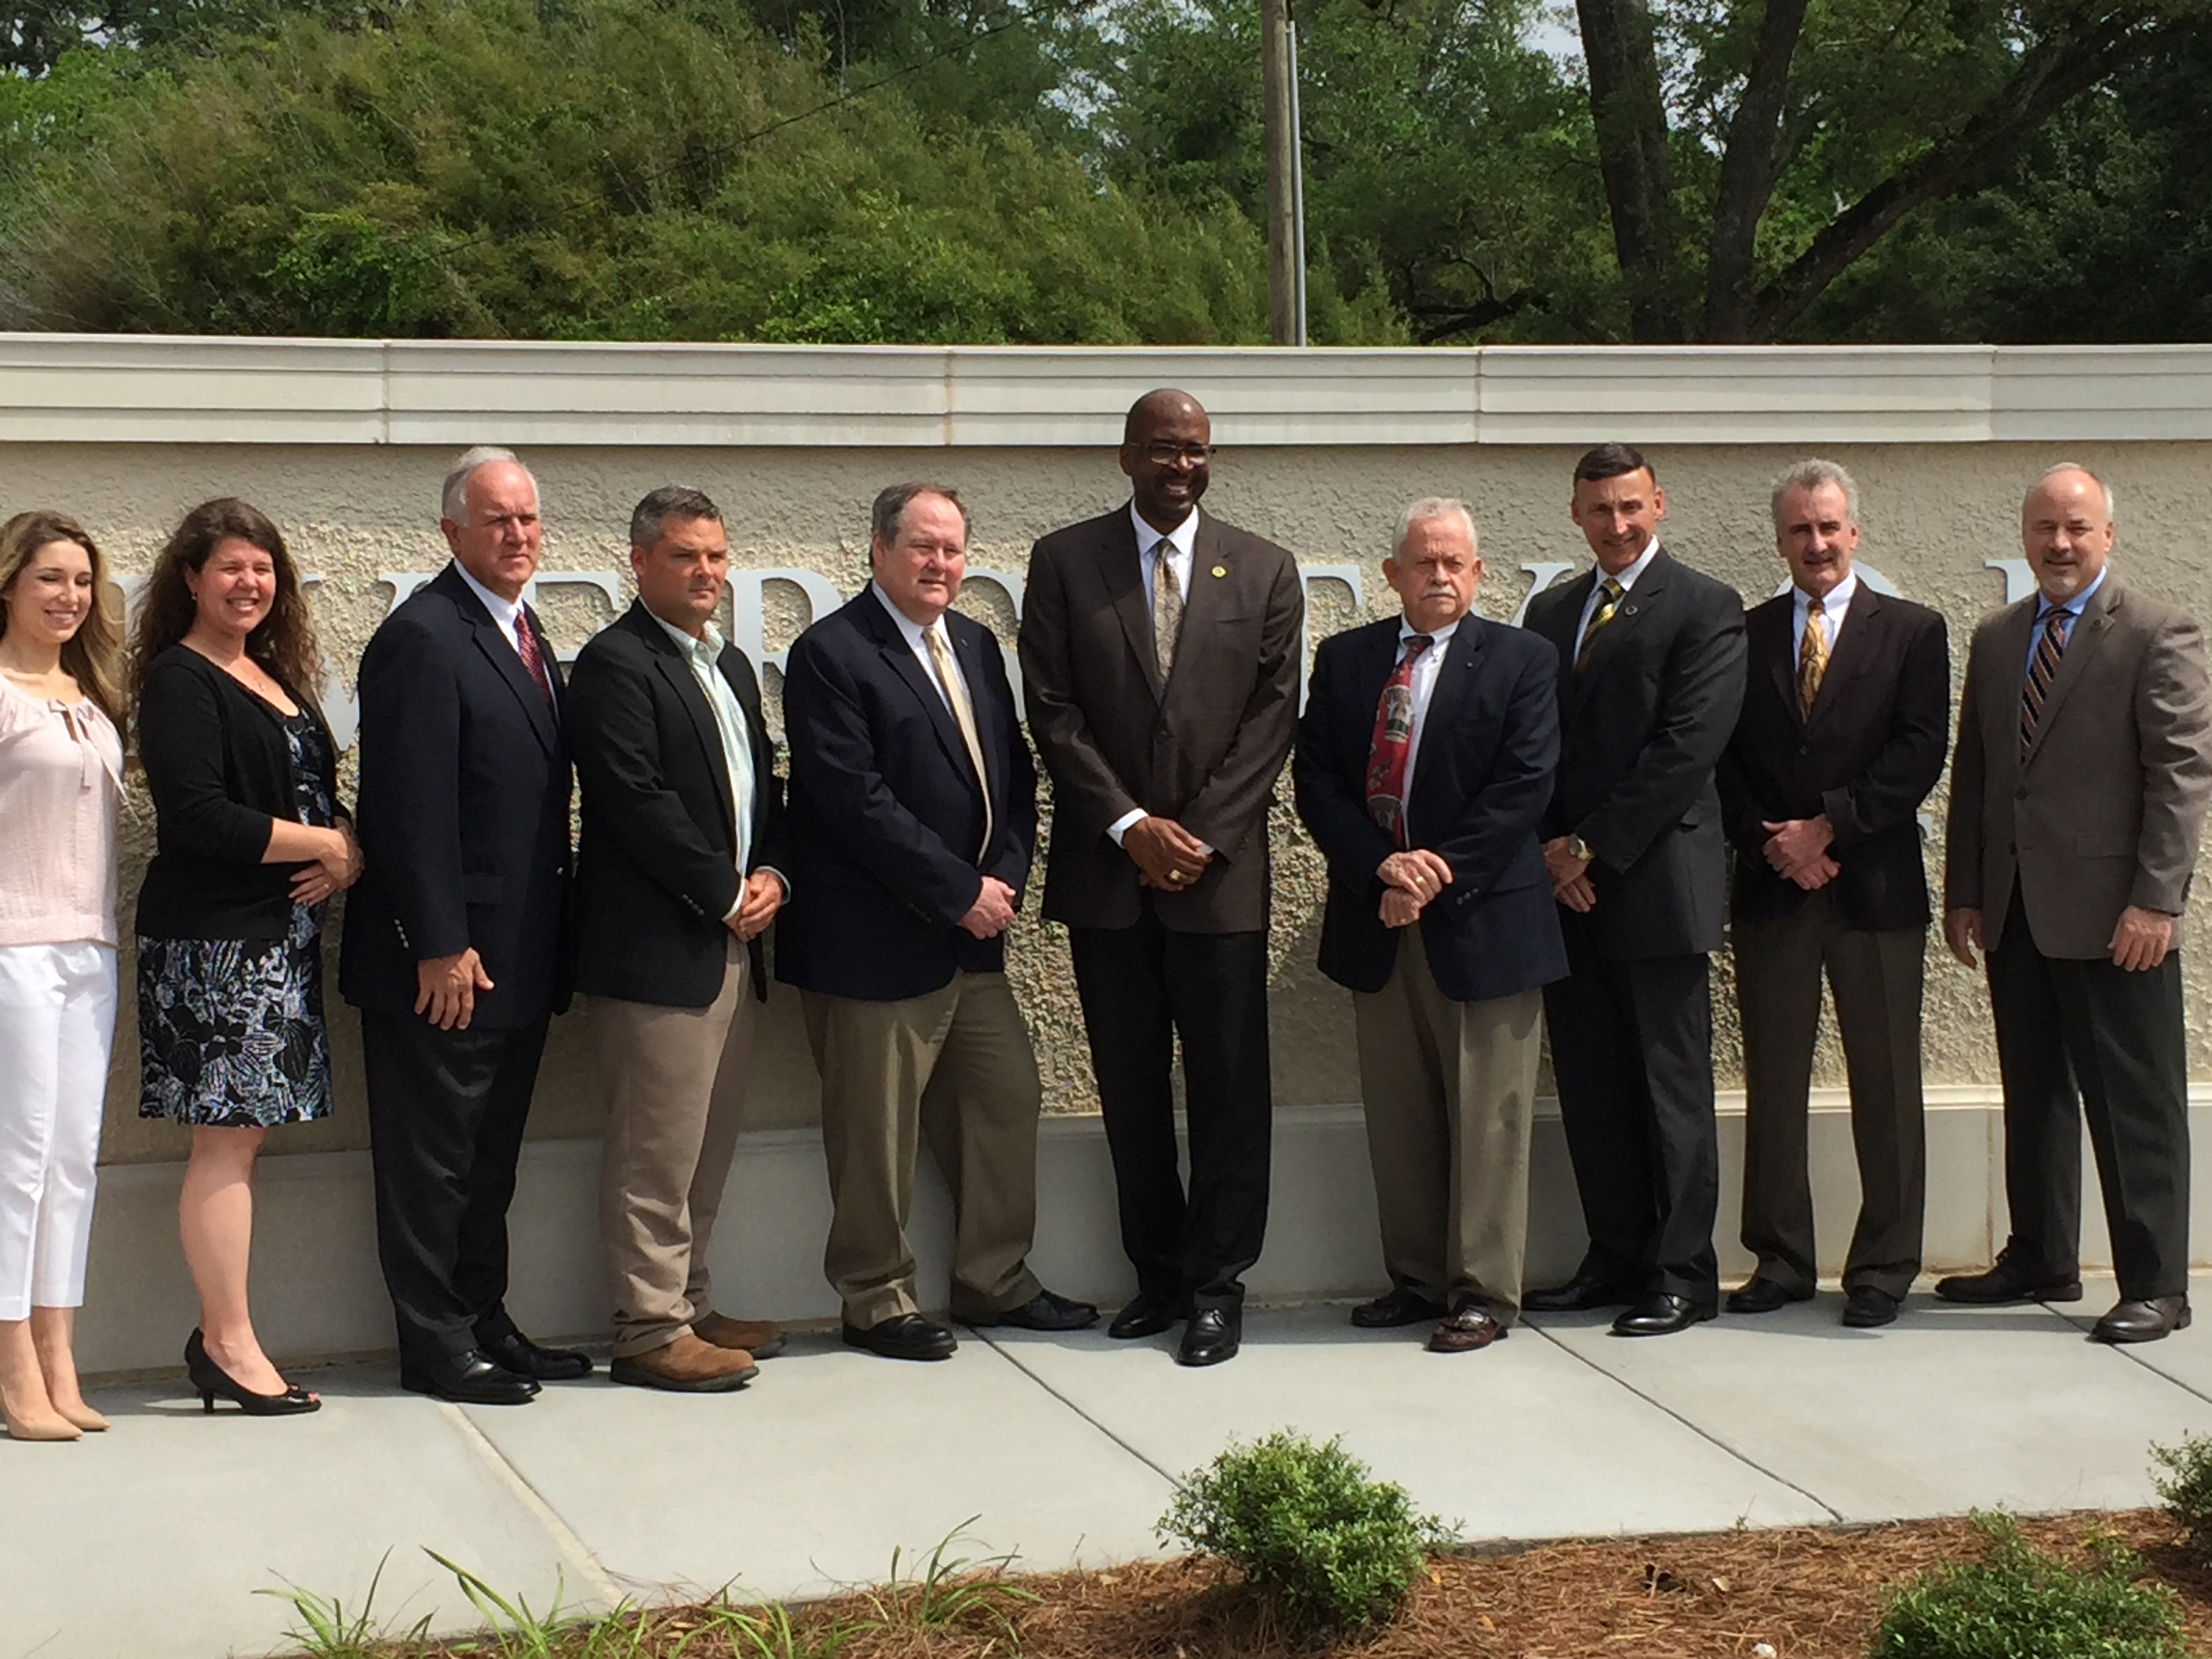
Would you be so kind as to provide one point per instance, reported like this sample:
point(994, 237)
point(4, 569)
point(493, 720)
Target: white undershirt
point(1425, 670)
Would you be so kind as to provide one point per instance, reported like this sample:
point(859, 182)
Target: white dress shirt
point(1179, 545)
point(1832, 608)
point(1626, 580)
point(917, 641)
point(1425, 670)
point(703, 654)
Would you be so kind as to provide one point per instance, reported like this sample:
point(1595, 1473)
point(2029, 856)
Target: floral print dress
point(231, 1032)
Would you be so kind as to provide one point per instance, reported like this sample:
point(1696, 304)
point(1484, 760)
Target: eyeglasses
point(1169, 454)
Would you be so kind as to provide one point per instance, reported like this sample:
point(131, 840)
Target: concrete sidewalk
point(150, 1540)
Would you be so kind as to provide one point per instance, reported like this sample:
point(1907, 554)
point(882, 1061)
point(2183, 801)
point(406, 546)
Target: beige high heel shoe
point(84, 1418)
point(55, 1427)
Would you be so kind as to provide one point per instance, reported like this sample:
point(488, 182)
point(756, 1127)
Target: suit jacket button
point(1804, 748)
point(2020, 793)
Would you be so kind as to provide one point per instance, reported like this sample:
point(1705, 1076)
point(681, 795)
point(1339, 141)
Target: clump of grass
point(2019, 1602)
point(2184, 1490)
point(326, 1631)
point(1335, 1551)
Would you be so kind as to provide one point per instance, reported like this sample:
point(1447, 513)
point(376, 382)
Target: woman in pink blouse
point(61, 772)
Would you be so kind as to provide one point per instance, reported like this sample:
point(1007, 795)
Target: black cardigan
point(220, 769)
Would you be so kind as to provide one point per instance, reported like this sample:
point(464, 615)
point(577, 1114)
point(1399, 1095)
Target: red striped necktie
point(526, 646)
point(1392, 744)
point(2042, 668)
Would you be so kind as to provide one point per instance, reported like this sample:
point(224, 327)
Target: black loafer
point(1401, 1304)
point(517, 1353)
point(1661, 1313)
point(1583, 1292)
point(1145, 1314)
point(2009, 1281)
point(1759, 1294)
point(904, 1336)
point(468, 1379)
point(1865, 1307)
point(1042, 1312)
point(2143, 1320)
point(1212, 1335)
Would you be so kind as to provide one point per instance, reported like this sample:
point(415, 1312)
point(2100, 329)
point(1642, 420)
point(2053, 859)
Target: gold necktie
point(1812, 658)
point(1167, 607)
point(963, 716)
point(1614, 593)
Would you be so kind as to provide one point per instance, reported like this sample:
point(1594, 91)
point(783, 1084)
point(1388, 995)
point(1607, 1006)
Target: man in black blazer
point(1160, 659)
point(456, 939)
point(912, 822)
point(1846, 712)
point(1651, 668)
point(1423, 767)
point(678, 876)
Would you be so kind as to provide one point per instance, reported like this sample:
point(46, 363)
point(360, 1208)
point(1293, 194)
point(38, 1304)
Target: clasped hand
point(1410, 879)
point(1167, 855)
point(1571, 883)
point(993, 912)
point(763, 897)
point(337, 866)
point(1797, 848)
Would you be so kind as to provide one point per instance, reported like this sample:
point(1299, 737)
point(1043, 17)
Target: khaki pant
point(1877, 978)
point(676, 1088)
point(1449, 1088)
point(956, 1066)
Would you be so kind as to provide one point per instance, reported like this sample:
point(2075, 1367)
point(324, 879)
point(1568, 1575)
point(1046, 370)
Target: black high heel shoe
point(214, 1383)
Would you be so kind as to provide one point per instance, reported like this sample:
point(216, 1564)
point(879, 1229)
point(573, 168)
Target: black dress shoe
point(1584, 1291)
point(1147, 1314)
point(518, 1354)
point(473, 1379)
point(904, 1336)
point(2009, 1281)
point(1042, 1312)
point(1865, 1307)
point(1401, 1304)
point(2144, 1320)
point(1212, 1335)
point(1663, 1314)
point(1759, 1294)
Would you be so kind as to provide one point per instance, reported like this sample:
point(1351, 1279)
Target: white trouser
point(57, 1031)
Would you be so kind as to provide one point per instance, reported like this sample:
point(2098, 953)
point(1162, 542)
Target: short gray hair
point(2112, 511)
point(671, 501)
point(1437, 507)
point(1811, 475)
point(890, 506)
point(454, 500)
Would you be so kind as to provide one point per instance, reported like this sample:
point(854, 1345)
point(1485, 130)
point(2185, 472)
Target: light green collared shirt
point(703, 654)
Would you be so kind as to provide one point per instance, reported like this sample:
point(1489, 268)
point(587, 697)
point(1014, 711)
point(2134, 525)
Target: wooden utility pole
point(1278, 65)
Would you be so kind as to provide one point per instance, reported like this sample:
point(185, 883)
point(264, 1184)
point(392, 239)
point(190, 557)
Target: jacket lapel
point(505, 660)
point(1453, 675)
point(1770, 643)
point(967, 652)
point(1641, 601)
point(1568, 614)
point(1122, 565)
point(676, 673)
point(2088, 633)
point(902, 661)
point(1846, 653)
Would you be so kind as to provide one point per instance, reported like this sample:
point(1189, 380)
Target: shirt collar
point(1627, 578)
point(915, 634)
point(2045, 604)
point(507, 613)
point(1440, 636)
point(1184, 537)
point(1839, 596)
point(708, 644)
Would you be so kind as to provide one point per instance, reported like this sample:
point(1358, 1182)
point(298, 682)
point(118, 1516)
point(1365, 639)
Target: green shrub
point(2185, 1490)
point(1334, 1550)
point(2019, 1603)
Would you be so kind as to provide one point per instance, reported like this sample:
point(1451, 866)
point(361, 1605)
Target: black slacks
point(1141, 987)
point(2075, 1035)
point(1631, 1050)
point(446, 1113)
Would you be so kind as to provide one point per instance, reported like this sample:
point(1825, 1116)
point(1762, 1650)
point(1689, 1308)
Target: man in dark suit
point(1160, 656)
point(678, 876)
point(1651, 668)
point(1846, 710)
point(456, 939)
point(1423, 767)
point(2078, 793)
point(912, 822)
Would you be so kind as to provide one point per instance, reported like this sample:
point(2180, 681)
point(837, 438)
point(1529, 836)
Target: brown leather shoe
point(2145, 1320)
point(1469, 1325)
point(761, 1338)
point(687, 1365)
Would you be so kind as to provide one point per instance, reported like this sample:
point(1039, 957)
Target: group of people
point(1525, 828)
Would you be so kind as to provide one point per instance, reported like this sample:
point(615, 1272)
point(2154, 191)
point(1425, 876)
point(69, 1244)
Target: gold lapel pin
point(1221, 570)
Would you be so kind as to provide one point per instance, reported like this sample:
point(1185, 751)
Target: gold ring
point(1175, 875)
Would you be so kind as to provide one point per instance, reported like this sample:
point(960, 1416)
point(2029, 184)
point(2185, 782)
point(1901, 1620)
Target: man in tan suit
point(2077, 791)
point(1160, 651)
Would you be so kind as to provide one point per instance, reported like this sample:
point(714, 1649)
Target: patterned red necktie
point(526, 646)
point(1393, 743)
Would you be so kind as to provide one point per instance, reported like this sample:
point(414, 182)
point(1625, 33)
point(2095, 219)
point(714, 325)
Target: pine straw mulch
point(1807, 1593)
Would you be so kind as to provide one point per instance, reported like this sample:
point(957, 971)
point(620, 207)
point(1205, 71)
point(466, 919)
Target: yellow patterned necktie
point(1167, 607)
point(963, 716)
point(1812, 658)
point(1614, 593)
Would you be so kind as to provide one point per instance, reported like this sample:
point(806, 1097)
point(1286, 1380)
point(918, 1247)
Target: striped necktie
point(1613, 593)
point(1812, 658)
point(2042, 668)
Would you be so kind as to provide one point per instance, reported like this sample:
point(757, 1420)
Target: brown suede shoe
point(1469, 1326)
point(761, 1338)
point(687, 1365)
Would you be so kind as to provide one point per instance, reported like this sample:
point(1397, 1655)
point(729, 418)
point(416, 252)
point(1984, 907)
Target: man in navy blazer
point(458, 940)
point(913, 817)
point(1423, 767)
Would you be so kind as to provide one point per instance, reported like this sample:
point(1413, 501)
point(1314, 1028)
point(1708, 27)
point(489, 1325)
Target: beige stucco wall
point(1933, 515)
